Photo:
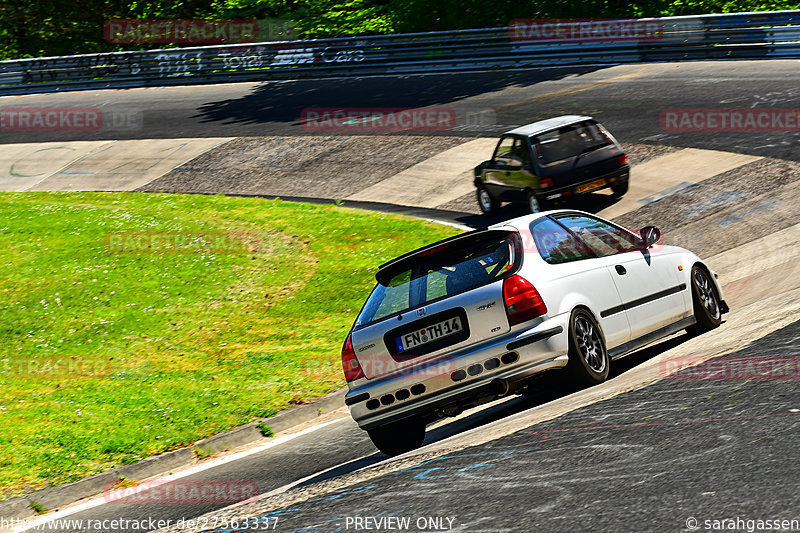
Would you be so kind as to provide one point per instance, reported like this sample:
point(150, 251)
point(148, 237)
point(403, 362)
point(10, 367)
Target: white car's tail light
point(522, 300)
point(352, 370)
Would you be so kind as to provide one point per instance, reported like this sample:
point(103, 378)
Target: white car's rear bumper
point(471, 375)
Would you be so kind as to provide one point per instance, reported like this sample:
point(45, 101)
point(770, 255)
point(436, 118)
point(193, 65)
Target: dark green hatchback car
point(550, 160)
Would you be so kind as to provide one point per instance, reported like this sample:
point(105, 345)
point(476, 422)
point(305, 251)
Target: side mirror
point(650, 235)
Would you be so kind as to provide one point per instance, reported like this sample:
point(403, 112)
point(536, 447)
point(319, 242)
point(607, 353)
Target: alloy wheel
point(589, 344)
point(708, 296)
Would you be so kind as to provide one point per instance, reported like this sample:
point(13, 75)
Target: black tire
point(486, 202)
point(620, 187)
point(535, 204)
point(588, 358)
point(399, 437)
point(706, 302)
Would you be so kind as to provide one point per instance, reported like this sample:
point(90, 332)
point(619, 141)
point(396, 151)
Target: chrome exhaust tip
point(500, 387)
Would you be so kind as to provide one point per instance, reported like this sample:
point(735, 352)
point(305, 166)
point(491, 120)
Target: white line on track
point(205, 465)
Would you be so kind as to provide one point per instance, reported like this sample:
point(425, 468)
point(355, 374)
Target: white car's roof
point(542, 126)
point(525, 220)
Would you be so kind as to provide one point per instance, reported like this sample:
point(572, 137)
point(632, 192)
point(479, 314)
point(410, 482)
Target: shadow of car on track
point(590, 202)
point(544, 388)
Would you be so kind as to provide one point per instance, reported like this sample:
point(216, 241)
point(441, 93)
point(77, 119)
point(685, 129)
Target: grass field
point(134, 324)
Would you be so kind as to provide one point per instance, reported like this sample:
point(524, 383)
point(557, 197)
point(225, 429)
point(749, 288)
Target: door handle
point(621, 270)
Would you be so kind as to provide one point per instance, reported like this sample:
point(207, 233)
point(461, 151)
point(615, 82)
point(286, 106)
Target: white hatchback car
point(469, 319)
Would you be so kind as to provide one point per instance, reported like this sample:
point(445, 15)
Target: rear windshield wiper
point(586, 150)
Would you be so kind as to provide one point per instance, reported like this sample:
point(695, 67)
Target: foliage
point(33, 28)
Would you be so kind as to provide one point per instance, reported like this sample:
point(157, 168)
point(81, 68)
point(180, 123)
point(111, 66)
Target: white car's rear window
point(449, 270)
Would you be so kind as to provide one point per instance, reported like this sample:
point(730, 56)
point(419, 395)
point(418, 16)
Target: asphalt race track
point(336, 449)
point(628, 99)
point(652, 455)
point(654, 459)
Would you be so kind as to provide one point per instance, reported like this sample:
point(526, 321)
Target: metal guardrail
point(774, 34)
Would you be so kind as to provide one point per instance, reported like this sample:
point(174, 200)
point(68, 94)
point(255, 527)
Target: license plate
point(596, 184)
point(428, 334)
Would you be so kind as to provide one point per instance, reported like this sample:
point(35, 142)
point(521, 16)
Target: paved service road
point(668, 457)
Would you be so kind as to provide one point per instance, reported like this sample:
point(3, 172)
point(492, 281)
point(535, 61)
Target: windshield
point(432, 276)
point(569, 141)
